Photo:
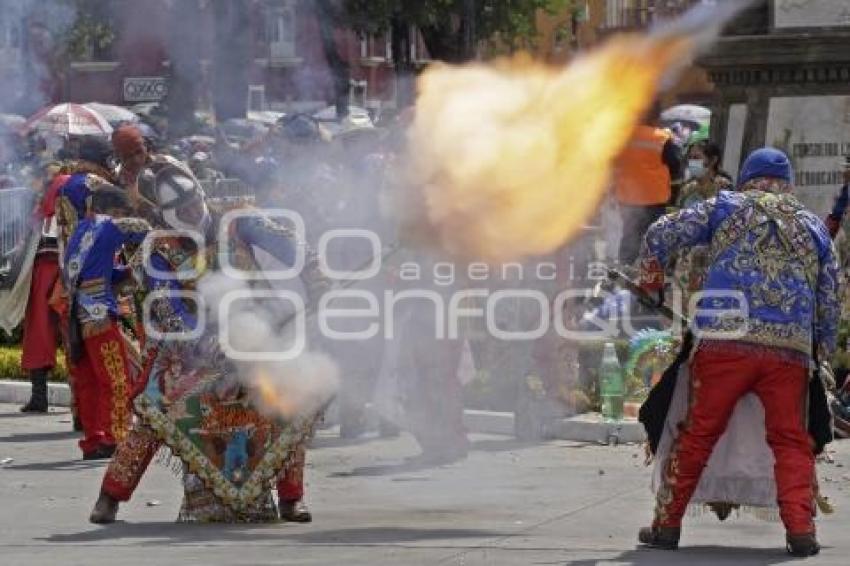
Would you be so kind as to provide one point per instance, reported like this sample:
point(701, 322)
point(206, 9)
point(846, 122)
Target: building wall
point(142, 51)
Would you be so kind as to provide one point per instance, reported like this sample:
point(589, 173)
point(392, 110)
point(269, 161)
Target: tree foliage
point(445, 24)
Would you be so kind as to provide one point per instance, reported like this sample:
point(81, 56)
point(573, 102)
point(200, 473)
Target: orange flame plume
point(514, 158)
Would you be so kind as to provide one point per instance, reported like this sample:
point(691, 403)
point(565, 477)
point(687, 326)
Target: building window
point(92, 36)
point(418, 50)
point(641, 13)
point(256, 98)
point(377, 47)
point(281, 30)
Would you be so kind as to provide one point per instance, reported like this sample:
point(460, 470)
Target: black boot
point(802, 546)
point(38, 399)
point(295, 512)
point(663, 538)
point(105, 510)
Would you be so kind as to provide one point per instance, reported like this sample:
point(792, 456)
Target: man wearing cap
point(133, 156)
point(131, 152)
point(773, 279)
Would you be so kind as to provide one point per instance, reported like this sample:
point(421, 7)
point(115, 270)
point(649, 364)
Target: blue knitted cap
point(766, 162)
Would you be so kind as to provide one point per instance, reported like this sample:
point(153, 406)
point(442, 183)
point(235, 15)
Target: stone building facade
point(782, 78)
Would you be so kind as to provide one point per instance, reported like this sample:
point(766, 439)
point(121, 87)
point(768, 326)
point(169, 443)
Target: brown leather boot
point(295, 512)
point(662, 538)
point(105, 510)
point(802, 546)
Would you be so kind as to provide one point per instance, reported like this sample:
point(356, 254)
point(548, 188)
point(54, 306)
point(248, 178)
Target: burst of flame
point(293, 389)
point(514, 158)
point(271, 398)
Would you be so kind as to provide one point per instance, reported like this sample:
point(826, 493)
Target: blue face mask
point(696, 168)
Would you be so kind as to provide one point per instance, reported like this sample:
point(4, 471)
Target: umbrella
point(687, 113)
point(703, 134)
point(69, 120)
point(113, 114)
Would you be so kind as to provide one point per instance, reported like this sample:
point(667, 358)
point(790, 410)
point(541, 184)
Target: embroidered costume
point(771, 285)
point(98, 350)
point(691, 264)
point(191, 400)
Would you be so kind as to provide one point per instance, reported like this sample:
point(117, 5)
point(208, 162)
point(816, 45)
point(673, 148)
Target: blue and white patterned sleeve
point(674, 232)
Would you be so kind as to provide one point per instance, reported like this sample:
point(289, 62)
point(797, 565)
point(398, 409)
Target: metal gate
point(16, 206)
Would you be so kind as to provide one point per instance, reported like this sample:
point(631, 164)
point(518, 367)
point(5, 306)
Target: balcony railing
point(637, 14)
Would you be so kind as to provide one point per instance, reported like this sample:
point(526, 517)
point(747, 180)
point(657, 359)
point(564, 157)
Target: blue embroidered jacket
point(772, 252)
point(90, 269)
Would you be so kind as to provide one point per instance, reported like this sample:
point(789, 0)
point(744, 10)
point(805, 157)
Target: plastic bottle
point(612, 388)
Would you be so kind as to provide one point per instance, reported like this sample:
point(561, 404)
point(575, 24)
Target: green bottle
point(612, 389)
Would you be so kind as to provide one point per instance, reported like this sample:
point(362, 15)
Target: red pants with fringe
point(102, 389)
point(720, 376)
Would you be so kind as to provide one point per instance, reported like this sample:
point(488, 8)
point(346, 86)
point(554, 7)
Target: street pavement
point(508, 503)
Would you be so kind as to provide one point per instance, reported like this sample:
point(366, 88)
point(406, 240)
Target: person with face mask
point(706, 178)
point(706, 181)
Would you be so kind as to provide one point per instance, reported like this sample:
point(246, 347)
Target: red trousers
point(720, 376)
point(102, 389)
point(41, 324)
point(134, 454)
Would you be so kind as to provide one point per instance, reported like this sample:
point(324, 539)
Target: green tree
point(451, 29)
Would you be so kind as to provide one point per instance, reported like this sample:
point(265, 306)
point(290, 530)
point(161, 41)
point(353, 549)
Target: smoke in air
point(514, 157)
point(289, 389)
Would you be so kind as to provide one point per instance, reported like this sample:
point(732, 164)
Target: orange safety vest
point(641, 176)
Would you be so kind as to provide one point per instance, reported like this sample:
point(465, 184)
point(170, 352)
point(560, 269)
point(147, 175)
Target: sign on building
point(811, 13)
point(815, 132)
point(145, 89)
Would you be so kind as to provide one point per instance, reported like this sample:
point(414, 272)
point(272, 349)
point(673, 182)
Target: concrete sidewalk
point(551, 503)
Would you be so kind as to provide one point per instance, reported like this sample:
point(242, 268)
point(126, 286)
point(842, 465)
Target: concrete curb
point(489, 422)
point(18, 392)
point(589, 427)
